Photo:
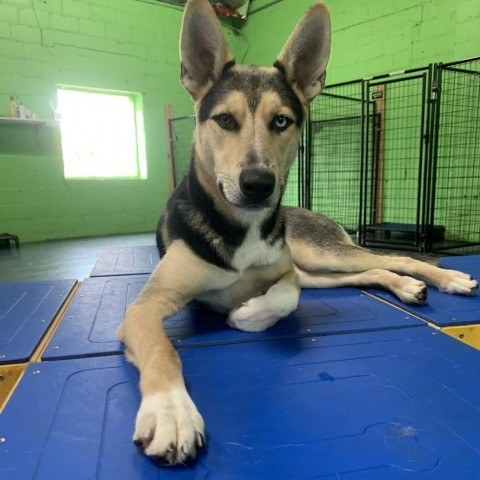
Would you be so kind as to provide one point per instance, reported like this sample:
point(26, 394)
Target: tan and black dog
point(224, 238)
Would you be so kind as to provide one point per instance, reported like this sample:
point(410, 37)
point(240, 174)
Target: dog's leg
point(407, 289)
point(348, 259)
point(449, 281)
point(168, 426)
point(260, 313)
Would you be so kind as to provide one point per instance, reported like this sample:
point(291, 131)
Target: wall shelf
point(21, 121)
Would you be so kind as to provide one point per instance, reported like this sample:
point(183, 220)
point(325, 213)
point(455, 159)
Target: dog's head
point(249, 118)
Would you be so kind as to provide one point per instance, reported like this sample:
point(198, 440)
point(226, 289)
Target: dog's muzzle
point(257, 185)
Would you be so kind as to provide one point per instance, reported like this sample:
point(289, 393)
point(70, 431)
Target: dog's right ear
point(203, 48)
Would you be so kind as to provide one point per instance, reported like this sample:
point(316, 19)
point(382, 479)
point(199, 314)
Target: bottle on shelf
point(13, 107)
point(22, 110)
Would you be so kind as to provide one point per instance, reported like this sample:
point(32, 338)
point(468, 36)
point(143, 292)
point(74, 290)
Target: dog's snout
point(257, 184)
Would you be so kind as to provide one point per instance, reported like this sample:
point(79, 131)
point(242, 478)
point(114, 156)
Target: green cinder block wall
point(110, 44)
point(371, 37)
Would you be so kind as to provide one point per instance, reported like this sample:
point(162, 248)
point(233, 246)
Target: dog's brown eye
point(226, 121)
point(280, 123)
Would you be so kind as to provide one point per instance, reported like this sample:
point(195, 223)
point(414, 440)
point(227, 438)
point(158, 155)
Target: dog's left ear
point(305, 56)
point(203, 49)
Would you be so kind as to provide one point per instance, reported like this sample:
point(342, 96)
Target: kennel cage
point(395, 161)
point(399, 162)
point(334, 140)
point(180, 135)
point(455, 183)
point(296, 193)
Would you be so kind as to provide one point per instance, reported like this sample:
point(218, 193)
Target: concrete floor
point(61, 259)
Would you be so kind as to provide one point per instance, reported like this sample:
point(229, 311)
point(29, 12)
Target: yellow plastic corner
point(10, 375)
point(469, 334)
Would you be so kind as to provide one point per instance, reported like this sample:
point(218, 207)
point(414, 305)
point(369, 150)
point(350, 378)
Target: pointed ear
point(203, 48)
point(305, 56)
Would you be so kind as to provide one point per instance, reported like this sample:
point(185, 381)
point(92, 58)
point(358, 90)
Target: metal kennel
point(180, 135)
point(455, 183)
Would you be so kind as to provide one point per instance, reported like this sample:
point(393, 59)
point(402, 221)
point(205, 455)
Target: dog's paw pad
point(422, 294)
point(169, 428)
point(412, 291)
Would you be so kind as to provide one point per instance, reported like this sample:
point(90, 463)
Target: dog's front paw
point(169, 428)
point(453, 281)
point(413, 291)
point(252, 316)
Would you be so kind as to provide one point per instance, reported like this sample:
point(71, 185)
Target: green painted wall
point(112, 44)
point(374, 36)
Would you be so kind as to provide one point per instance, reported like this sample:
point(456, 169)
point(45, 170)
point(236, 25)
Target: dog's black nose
point(257, 184)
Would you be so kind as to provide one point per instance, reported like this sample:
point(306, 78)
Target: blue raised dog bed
point(377, 405)
point(27, 309)
point(133, 260)
point(89, 325)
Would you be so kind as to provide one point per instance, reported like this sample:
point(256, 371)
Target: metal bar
point(459, 62)
point(394, 74)
point(397, 80)
point(182, 118)
point(344, 97)
point(461, 70)
point(337, 119)
point(363, 165)
point(420, 225)
point(308, 164)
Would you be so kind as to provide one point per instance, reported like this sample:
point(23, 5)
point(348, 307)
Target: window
point(102, 134)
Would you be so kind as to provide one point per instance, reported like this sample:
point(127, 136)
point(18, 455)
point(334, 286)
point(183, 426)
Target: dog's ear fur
point(203, 48)
point(305, 56)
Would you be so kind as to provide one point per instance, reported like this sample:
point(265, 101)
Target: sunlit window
point(102, 134)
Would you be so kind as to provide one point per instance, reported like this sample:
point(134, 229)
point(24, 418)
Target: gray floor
point(61, 259)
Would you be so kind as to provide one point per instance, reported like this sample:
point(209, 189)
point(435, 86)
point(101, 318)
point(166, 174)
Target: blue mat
point(468, 264)
point(89, 325)
point(443, 309)
point(126, 261)
point(380, 405)
point(26, 311)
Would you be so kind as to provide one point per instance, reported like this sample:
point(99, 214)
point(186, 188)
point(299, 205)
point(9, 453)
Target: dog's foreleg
point(168, 426)
point(260, 313)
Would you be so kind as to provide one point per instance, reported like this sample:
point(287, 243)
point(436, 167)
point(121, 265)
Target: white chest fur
point(255, 251)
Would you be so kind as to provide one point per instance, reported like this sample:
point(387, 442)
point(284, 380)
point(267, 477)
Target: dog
point(224, 237)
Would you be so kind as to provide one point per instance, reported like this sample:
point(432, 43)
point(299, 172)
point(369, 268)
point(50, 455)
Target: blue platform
point(89, 325)
point(468, 264)
point(443, 309)
point(380, 405)
point(27, 309)
point(133, 260)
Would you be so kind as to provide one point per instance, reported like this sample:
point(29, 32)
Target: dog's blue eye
point(281, 123)
point(226, 121)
